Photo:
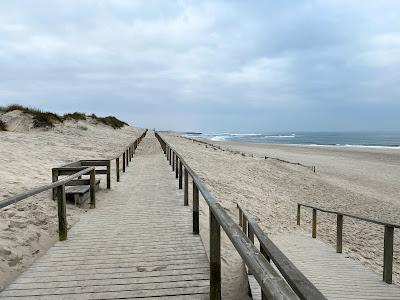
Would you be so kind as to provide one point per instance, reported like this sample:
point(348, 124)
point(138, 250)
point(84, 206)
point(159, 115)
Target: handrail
point(14, 199)
point(388, 235)
point(272, 284)
point(297, 281)
point(58, 186)
point(352, 216)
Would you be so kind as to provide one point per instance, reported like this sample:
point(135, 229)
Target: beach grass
point(3, 126)
point(44, 119)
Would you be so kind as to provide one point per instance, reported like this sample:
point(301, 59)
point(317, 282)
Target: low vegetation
point(110, 121)
point(47, 119)
point(3, 126)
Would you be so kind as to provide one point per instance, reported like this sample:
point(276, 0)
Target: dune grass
point(44, 119)
point(3, 126)
point(110, 121)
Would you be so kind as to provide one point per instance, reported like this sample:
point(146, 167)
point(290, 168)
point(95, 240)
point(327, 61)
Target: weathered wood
point(339, 233)
point(173, 160)
point(250, 233)
point(195, 209)
point(92, 189)
point(244, 225)
point(180, 175)
point(177, 168)
point(127, 157)
point(186, 189)
point(62, 213)
point(117, 168)
point(314, 223)
point(215, 258)
point(298, 214)
point(388, 254)
point(109, 175)
point(123, 162)
point(54, 178)
point(240, 218)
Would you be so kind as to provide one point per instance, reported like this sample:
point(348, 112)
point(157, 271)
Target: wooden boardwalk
point(137, 243)
point(335, 275)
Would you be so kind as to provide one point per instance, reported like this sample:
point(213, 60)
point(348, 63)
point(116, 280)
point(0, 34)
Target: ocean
point(390, 139)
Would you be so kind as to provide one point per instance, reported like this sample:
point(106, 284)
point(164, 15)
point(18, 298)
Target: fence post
point(176, 167)
point(240, 218)
point(123, 160)
point(54, 178)
point(109, 175)
point(180, 175)
point(195, 209)
point(298, 214)
point(215, 258)
point(314, 223)
point(170, 156)
point(186, 189)
point(127, 158)
point(388, 254)
point(244, 224)
point(92, 188)
point(339, 233)
point(117, 168)
point(62, 213)
point(264, 253)
point(173, 161)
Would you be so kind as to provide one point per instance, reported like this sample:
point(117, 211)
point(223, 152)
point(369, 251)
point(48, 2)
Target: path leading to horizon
point(137, 243)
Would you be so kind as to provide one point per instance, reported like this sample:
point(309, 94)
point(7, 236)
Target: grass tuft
point(75, 116)
point(110, 121)
point(3, 126)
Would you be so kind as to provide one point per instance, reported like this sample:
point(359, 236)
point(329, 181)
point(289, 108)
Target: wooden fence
point(75, 171)
point(273, 286)
point(388, 235)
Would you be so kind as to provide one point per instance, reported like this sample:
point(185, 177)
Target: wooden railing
point(75, 171)
point(61, 201)
point(273, 286)
point(388, 235)
point(297, 281)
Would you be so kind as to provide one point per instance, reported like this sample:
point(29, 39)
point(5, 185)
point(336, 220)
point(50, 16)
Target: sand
point(29, 228)
point(362, 181)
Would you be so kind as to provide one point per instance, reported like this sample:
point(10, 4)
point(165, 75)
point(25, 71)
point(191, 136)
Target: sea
point(389, 139)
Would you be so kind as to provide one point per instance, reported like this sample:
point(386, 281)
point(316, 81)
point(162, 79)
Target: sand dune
point(27, 155)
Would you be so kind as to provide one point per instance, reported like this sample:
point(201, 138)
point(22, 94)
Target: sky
point(209, 66)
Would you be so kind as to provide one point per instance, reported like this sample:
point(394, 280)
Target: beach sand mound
point(27, 155)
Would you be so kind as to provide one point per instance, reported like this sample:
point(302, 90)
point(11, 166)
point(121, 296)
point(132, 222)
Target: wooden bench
point(79, 193)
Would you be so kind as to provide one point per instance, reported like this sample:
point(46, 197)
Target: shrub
point(75, 116)
point(3, 126)
point(110, 121)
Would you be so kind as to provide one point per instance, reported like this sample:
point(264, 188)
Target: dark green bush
point(75, 116)
point(3, 126)
point(110, 121)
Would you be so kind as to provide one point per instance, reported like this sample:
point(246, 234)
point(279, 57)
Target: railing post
point(264, 253)
point(93, 188)
point(195, 209)
point(123, 162)
point(250, 233)
point(298, 214)
point(62, 213)
point(176, 166)
point(180, 175)
point(109, 175)
point(339, 233)
point(54, 178)
point(388, 254)
point(240, 218)
point(127, 158)
point(215, 258)
point(170, 156)
point(117, 168)
point(314, 223)
point(244, 224)
point(186, 188)
point(173, 161)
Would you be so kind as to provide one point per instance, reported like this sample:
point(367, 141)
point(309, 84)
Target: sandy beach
point(29, 228)
point(361, 181)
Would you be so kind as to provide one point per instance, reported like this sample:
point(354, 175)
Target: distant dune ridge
point(15, 117)
point(27, 154)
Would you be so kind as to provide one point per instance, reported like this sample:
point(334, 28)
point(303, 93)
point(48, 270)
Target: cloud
point(195, 60)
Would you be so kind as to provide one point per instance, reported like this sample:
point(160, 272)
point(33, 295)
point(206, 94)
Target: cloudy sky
point(207, 65)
